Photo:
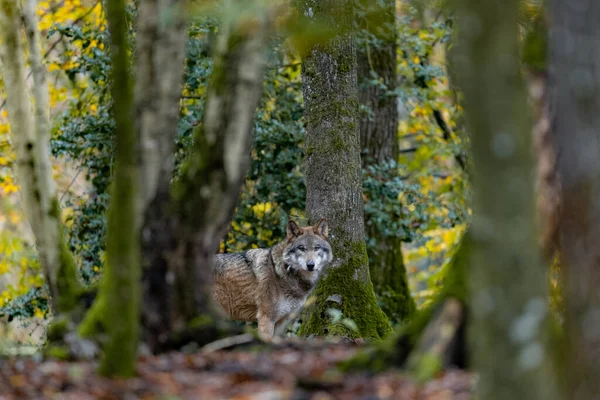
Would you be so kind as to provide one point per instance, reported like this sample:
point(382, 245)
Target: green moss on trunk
point(390, 282)
point(68, 285)
point(395, 349)
point(506, 278)
point(342, 289)
point(117, 306)
point(93, 323)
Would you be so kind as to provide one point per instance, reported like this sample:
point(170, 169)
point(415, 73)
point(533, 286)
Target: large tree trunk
point(31, 137)
point(575, 127)
point(507, 282)
point(377, 60)
point(183, 231)
point(160, 58)
point(333, 176)
point(379, 143)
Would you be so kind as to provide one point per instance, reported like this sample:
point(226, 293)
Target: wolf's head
point(307, 249)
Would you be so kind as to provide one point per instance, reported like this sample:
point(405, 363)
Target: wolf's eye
point(317, 248)
point(301, 248)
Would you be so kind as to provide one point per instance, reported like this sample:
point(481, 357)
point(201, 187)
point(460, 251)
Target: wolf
point(267, 285)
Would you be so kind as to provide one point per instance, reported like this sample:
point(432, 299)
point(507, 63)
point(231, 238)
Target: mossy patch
point(59, 352)
point(354, 297)
point(57, 329)
point(201, 321)
point(68, 285)
point(388, 275)
point(395, 349)
point(93, 324)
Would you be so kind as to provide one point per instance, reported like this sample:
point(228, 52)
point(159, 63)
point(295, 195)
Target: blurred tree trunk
point(507, 282)
point(159, 65)
point(31, 135)
point(333, 175)
point(534, 56)
point(379, 143)
point(547, 184)
point(116, 308)
point(161, 41)
point(183, 227)
point(575, 128)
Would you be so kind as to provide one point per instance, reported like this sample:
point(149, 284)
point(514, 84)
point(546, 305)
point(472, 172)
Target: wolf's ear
point(293, 229)
point(321, 227)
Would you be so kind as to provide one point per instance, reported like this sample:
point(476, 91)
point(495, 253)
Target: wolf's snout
point(310, 265)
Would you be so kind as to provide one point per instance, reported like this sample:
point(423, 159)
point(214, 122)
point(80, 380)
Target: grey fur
point(270, 284)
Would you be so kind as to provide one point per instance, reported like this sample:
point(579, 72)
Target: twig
point(69, 186)
point(227, 342)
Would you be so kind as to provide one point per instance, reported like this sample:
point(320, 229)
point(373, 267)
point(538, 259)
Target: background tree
point(509, 311)
point(575, 124)
point(31, 137)
point(120, 288)
point(159, 66)
point(378, 82)
point(183, 228)
point(333, 175)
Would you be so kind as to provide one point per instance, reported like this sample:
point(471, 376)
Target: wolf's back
point(230, 261)
point(234, 285)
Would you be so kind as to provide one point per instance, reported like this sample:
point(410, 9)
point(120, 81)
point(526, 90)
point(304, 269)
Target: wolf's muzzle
point(310, 265)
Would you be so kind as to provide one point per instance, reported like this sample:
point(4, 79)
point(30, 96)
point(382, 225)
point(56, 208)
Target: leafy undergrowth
point(288, 371)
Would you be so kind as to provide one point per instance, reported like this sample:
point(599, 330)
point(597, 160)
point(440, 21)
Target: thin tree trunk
point(379, 143)
point(184, 231)
point(575, 128)
point(160, 50)
point(31, 137)
point(507, 282)
point(121, 281)
point(333, 175)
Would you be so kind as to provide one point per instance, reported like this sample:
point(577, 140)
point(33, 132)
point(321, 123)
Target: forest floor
point(285, 371)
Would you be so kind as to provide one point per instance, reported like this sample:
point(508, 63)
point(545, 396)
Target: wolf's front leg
point(266, 327)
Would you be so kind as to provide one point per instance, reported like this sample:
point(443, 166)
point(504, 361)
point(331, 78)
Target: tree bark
point(333, 175)
point(184, 229)
point(120, 286)
point(377, 60)
point(379, 143)
point(575, 129)
point(508, 286)
point(160, 50)
point(31, 137)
